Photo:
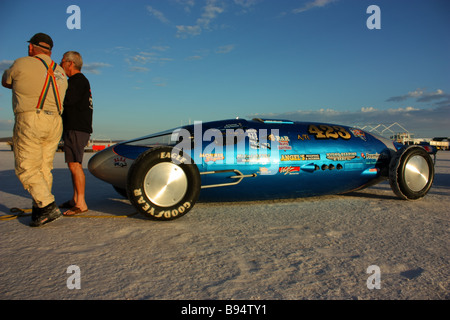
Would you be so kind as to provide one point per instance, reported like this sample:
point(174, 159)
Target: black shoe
point(34, 212)
point(45, 215)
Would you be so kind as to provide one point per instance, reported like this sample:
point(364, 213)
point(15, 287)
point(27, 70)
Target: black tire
point(411, 173)
point(163, 169)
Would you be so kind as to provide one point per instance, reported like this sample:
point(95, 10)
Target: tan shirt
point(27, 76)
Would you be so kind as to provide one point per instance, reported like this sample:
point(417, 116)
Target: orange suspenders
point(49, 80)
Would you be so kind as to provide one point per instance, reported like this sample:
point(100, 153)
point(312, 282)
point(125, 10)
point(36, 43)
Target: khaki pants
point(36, 138)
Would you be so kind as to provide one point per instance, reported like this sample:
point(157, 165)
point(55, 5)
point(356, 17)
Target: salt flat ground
point(315, 248)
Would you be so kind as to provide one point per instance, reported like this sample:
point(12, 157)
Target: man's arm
point(4, 83)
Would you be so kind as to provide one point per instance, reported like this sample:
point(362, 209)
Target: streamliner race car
point(164, 174)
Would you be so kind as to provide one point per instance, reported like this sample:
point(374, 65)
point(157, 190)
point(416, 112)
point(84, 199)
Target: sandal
point(73, 211)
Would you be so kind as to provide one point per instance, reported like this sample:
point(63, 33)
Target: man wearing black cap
point(38, 87)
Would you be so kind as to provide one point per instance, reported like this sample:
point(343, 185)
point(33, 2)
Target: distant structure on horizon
point(403, 136)
point(381, 129)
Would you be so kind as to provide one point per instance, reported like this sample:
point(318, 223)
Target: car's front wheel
point(163, 184)
point(411, 173)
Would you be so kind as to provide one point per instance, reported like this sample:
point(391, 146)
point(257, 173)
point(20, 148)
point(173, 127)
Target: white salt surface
point(316, 248)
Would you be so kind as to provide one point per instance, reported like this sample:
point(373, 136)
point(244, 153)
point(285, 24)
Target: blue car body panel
point(268, 158)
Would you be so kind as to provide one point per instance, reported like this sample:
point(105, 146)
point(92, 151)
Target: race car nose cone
point(106, 165)
point(96, 164)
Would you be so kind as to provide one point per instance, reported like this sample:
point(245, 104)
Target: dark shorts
point(74, 144)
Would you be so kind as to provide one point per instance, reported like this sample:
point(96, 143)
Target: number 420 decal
point(324, 131)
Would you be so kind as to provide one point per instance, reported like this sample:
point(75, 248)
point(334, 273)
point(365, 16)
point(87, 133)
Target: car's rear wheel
point(411, 173)
point(163, 183)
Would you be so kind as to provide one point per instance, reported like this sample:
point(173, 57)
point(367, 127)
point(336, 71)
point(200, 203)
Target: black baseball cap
point(42, 37)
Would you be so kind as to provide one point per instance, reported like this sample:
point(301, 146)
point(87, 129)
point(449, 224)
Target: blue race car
point(164, 174)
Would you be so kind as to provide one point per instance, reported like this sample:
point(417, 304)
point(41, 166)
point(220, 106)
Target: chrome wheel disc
point(165, 184)
point(417, 173)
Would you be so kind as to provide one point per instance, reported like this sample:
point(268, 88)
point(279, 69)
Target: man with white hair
point(77, 123)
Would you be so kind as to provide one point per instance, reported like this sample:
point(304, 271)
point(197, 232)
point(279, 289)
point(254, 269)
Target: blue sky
point(157, 64)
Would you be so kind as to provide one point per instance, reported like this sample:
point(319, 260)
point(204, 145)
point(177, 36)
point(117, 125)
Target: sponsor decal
point(283, 141)
point(289, 170)
point(358, 133)
point(370, 156)
point(212, 156)
point(341, 156)
point(299, 157)
point(284, 145)
point(253, 158)
point(266, 171)
point(232, 125)
point(254, 141)
point(273, 137)
point(374, 157)
point(120, 162)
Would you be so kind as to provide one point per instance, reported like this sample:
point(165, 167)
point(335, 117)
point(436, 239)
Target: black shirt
point(78, 107)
